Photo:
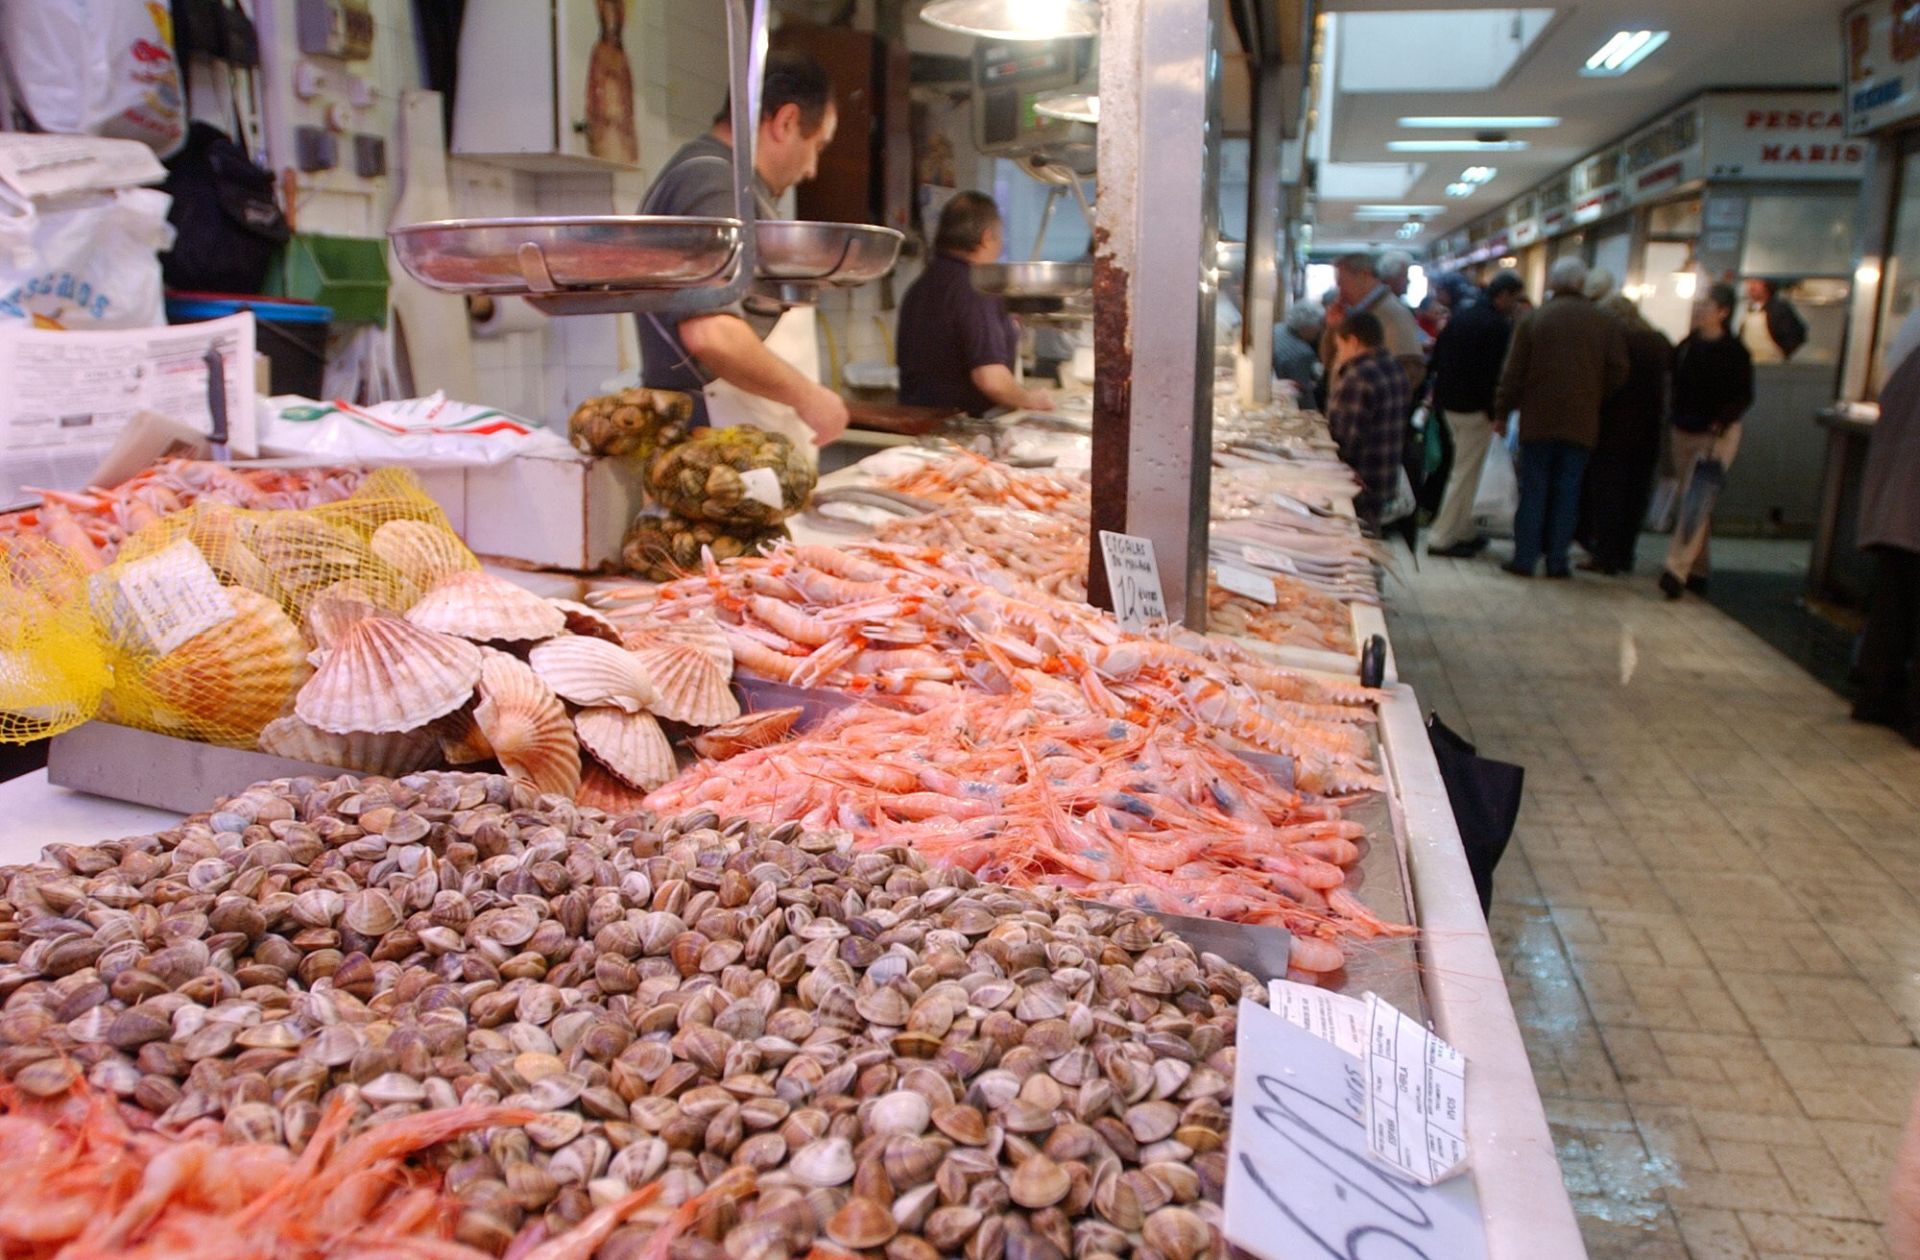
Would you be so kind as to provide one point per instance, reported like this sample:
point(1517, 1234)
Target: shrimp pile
point(91, 524)
point(81, 1181)
point(923, 627)
point(1298, 617)
point(966, 478)
point(1130, 812)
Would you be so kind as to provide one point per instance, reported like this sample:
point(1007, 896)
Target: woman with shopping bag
point(1712, 389)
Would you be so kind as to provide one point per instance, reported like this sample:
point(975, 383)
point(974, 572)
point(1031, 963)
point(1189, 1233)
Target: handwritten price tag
point(1301, 1182)
point(1133, 575)
point(175, 595)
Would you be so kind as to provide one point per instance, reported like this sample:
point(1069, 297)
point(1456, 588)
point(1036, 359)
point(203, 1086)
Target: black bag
point(224, 211)
point(1486, 801)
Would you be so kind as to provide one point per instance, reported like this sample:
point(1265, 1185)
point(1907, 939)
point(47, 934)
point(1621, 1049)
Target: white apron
point(793, 342)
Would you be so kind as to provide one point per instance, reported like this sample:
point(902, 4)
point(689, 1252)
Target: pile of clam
point(908, 1062)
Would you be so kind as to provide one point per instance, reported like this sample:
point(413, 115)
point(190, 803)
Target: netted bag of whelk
point(662, 548)
point(204, 617)
point(738, 476)
point(53, 666)
point(632, 424)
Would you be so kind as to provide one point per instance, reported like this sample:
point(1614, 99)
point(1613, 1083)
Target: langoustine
point(1128, 812)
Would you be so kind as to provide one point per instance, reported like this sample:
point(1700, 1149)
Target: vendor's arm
point(996, 381)
point(728, 348)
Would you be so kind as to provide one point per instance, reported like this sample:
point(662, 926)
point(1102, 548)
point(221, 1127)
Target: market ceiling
point(1712, 43)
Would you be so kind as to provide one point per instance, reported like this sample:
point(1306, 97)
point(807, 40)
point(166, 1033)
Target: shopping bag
point(96, 67)
point(1499, 494)
point(1485, 795)
point(1704, 482)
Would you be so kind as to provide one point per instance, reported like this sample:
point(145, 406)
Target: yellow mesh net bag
point(201, 621)
point(53, 667)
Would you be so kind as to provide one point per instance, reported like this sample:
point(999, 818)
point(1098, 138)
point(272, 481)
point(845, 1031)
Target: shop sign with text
point(1780, 135)
point(1881, 44)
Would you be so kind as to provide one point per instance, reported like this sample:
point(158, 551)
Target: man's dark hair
point(1723, 296)
point(1505, 282)
point(1364, 327)
point(965, 222)
point(1360, 263)
point(792, 78)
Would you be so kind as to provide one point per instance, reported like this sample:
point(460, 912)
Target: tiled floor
point(1710, 916)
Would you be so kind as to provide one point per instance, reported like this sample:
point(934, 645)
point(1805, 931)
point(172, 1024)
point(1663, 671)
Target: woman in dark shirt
point(1712, 389)
point(1619, 479)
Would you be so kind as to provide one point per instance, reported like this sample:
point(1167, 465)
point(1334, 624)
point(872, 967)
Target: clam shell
point(746, 733)
point(477, 605)
point(593, 672)
point(420, 553)
point(389, 753)
point(527, 726)
point(600, 789)
point(385, 674)
point(235, 677)
point(588, 621)
point(630, 745)
point(690, 682)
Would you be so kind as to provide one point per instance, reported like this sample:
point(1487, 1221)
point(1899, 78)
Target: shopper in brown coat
point(1566, 359)
point(1889, 672)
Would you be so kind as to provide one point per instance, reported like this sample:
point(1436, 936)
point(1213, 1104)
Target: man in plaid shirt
point(1367, 411)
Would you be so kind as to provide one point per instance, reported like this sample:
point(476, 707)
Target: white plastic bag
point(1498, 497)
point(91, 262)
point(97, 67)
point(432, 432)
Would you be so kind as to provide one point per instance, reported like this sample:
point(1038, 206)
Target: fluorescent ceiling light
point(1462, 189)
point(1388, 214)
point(1456, 146)
point(1479, 174)
point(1069, 106)
point(1432, 50)
point(1623, 52)
point(1480, 122)
point(1015, 19)
point(1402, 210)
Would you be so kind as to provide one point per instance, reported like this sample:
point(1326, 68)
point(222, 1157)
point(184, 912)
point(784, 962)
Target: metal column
point(1263, 224)
point(1154, 290)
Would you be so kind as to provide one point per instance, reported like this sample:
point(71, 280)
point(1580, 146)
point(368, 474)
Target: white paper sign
point(1133, 575)
point(1330, 1016)
point(1300, 1182)
point(763, 486)
point(1416, 1096)
point(175, 595)
point(1266, 559)
point(1246, 582)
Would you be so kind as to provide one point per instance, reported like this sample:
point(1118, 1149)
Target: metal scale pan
point(534, 257)
point(793, 252)
point(1036, 288)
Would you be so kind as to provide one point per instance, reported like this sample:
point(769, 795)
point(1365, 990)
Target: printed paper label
point(763, 486)
point(1330, 1016)
point(1416, 1096)
point(174, 595)
point(1246, 582)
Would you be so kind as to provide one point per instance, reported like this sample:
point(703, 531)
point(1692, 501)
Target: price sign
point(1300, 1181)
point(1134, 578)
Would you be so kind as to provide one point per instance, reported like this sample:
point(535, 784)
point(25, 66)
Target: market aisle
point(1710, 917)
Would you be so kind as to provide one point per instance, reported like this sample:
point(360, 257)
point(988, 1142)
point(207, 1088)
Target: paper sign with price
point(1134, 578)
point(1300, 1181)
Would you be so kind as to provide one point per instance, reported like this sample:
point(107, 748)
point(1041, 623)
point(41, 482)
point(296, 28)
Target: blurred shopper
point(1431, 315)
point(1619, 480)
point(1360, 288)
point(1567, 357)
point(1367, 411)
point(1396, 272)
point(956, 345)
point(1712, 389)
point(1600, 285)
point(1771, 329)
point(1889, 673)
point(1466, 371)
point(1455, 291)
point(1296, 354)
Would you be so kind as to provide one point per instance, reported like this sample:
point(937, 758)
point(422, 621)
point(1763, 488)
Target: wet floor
point(1710, 917)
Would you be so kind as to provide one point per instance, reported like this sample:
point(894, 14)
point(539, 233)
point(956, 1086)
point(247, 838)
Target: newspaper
point(70, 395)
point(38, 168)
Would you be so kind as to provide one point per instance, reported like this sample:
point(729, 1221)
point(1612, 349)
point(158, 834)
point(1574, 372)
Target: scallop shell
point(391, 753)
point(592, 672)
point(688, 671)
point(234, 678)
point(587, 621)
point(745, 733)
point(329, 616)
point(699, 633)
point(385, 674)
point(600, 789)
point(630, 745)
point(527, 726)
point(421, 553)
point(477, 605)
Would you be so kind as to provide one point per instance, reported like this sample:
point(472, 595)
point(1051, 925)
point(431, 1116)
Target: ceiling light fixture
point(1069, 105)
point(1409, 230)
point(1397, 209)
point(1015, 19)
point(1457, 146)
point(1479, 174)
point(1623, 52)
point(1462, 189)
point(1480, 122)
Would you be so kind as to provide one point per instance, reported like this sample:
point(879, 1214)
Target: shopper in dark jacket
point(1889, 669)
point(1296, 353)
point(1712, 389)
point(1619, 481)
point(1465, 371)
point(1367, 411)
